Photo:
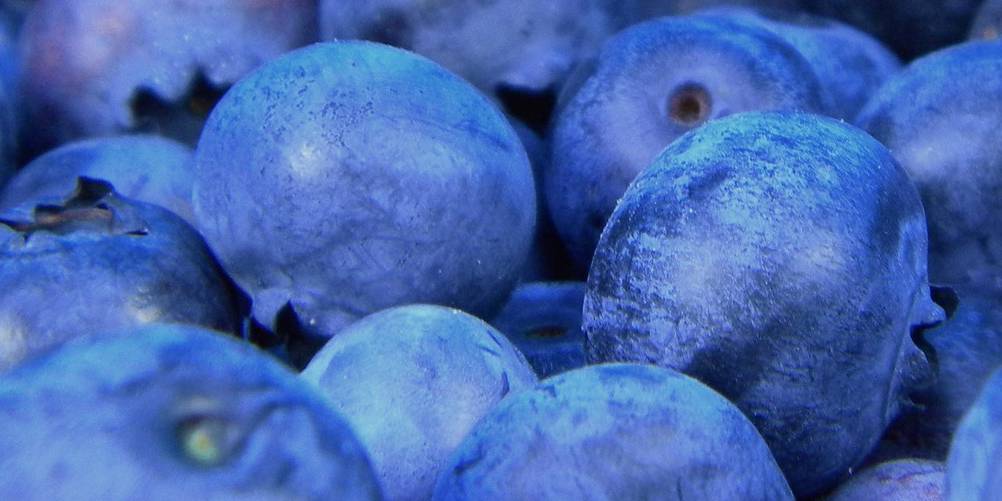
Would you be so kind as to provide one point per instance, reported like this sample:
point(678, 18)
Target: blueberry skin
point(940, 117)
point(780, 259)
point(987, 24)
point(520, 44)
point(349, 177)
point(412, 381)
point(910, 27)
point(146, 168)
point(615, 431)
point(902, 480)
point(84, 62)
point(165, 412)
point(849, 63)
point(974, 465)
point(101, 262)
point(652, 83)
point(543, 319)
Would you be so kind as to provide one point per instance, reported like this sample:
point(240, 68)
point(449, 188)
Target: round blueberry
point(617, 431)
point(652, 83)
point(99, 261)
point(412, 381)
point(940, 117)
point(780, 259)
point(172, 412)
point(349, 177)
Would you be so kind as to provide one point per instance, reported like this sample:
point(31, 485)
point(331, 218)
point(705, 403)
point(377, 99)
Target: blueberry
point(940, 117)
point(95, 67)
point(349, 177)
point(617, 431)
point(974, 465)
point(987, 23)
point(412, 381)
point(171, 412)
point(902, 480)
point(849, 63)
point(544, 321)
point(98, 262)
point(780, 259)
point(146, 168)
point(910, 27)
point(508, 44)
point(651, 84)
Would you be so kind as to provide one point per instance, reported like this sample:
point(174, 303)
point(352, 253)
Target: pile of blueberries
point(508, 249)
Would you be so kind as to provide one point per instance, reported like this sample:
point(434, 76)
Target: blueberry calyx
point(690, 104)
point(94, 206)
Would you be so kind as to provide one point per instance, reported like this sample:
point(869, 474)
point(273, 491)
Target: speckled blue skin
point(940, 117)
point(85, 60)
point(780, 259)
point(103, 418)
point(849, 63)
point(543, 319)
point(910, 27)
point(146, 168)
point(615, 117)
point(987, 24)
point(974, 466)
point(412, 381)
point(522, 44)
point(902, 480)
point(968, 348)
point(348, 177)
point(611, 432)
point(103, 262)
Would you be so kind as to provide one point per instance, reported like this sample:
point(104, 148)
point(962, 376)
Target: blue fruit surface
point(412, 381)
point(609, 432)
point(974, 465)
point(99, 261)
point(520, 44)
point(901, 480)
point(87, 64)
point(650, 84)
point(940, 118)
point(780, 259)
point(166, 412)
point(150, 169)
point(850, 64)
point(349, 177)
